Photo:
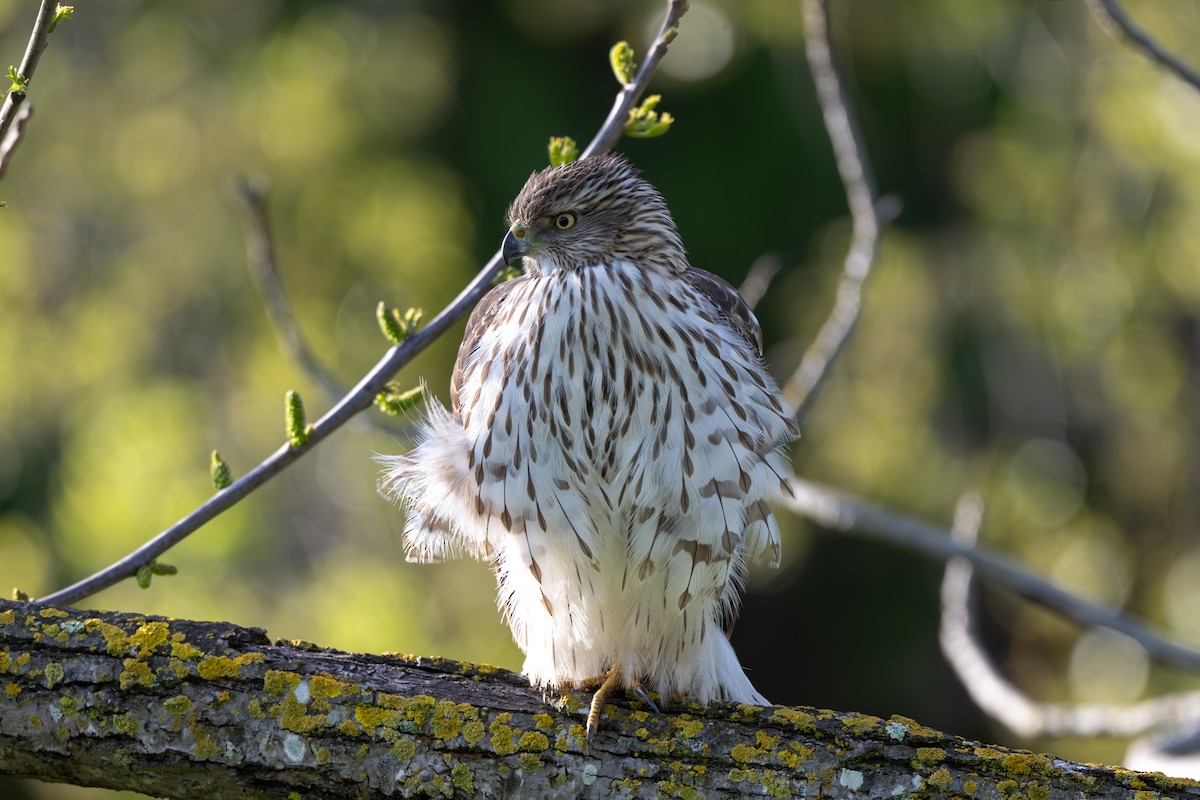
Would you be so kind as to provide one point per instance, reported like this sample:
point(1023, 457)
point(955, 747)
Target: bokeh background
point(1033, 330)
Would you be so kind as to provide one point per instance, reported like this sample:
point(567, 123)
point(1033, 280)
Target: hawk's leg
point(601, 695)
point(604, 686)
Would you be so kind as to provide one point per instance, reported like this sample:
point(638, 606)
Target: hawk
point(613, 442)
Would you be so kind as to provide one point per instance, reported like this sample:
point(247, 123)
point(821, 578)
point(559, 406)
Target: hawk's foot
point(598, 699)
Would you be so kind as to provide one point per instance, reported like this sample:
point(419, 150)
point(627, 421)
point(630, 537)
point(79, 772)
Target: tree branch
point(260, 255)
point(9, 142)
point(840, 511)
point(1118, 23)
point(1000, 699)
point(855, 170)
point(209, 710)
point(38, 40)
point(363, 395)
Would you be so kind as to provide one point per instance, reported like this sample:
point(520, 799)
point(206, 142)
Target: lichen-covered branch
point(198, 709)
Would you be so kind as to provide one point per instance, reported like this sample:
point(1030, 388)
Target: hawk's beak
point(515, 247)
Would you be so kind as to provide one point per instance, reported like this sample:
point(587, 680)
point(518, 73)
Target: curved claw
point(645, 697)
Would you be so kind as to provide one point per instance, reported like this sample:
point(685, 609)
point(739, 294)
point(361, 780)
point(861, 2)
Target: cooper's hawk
point(614, 440)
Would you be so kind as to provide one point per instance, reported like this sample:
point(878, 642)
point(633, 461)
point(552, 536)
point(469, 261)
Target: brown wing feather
point(477, 324)
point(728, 302)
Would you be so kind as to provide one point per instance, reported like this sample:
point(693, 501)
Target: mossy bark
point(182, 709)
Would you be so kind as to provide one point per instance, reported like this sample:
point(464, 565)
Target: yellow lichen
point(206, 748)
point(793, 719)
point(54, 674)
point(22, 659)
point(448, 719)
point(690, 728)
point(323, 686)
point(324, 756)
point(179, 704)
point(370, 717)
point(148, 637)
point(533, 742)
point(504, 737)
point(184, 651)
point(255, 708)
point(1022, 764)
point(528, 762)
point(12, 690)
point(543, 722)
point(6, 617)
point(125, 723)
point(941, 778)
point(348, 727)
point(52, 613)
point(215, 667)
point(405, 748)
point(460, 776)
point(473, 731)
point(5, 661)
point(136, 673)
point(969, 786)
point(116, 642)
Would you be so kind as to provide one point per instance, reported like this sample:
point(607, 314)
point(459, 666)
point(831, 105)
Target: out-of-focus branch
point(758, 279)
point(1000, 698)
point(840, 511)
point(16, 132)
point(363, 395)
point(855, 170)
point(1118, 23)
point(38, 40)
point(260, 253)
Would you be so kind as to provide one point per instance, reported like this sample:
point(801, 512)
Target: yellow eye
point(564, 220)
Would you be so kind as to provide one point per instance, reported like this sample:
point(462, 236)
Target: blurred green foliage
point(1033, 329)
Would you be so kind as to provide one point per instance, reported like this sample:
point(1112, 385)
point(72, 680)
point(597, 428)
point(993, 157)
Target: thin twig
point(758, 279)
point(33, 53)
point(614, 125)
point(363, 395)
point(840, 511)
point(1118, 23)
point(1000, 698)
point(260, 252)
point(855, 170)
point(15, 133)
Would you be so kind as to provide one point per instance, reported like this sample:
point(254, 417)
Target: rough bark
point(186, 709)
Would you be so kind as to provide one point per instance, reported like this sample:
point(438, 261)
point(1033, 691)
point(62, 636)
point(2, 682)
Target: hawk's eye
point(564, 220)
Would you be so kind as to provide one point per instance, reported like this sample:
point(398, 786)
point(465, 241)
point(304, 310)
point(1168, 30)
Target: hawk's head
point(589, 212)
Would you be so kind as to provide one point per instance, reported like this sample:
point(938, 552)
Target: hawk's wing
point(728, 302)
point(478, 323)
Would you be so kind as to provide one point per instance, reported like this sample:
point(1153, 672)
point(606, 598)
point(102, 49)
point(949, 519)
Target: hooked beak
point(514, 248)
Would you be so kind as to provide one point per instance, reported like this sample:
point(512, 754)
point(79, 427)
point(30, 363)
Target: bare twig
point(1118, 23)
point(614, 125)
point(855, 170)
point(33, 53)
point(15, 133)
point(840, 511)
point(362, 396)
point(260, 251)
point(1000, 698)
point(758, 279)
